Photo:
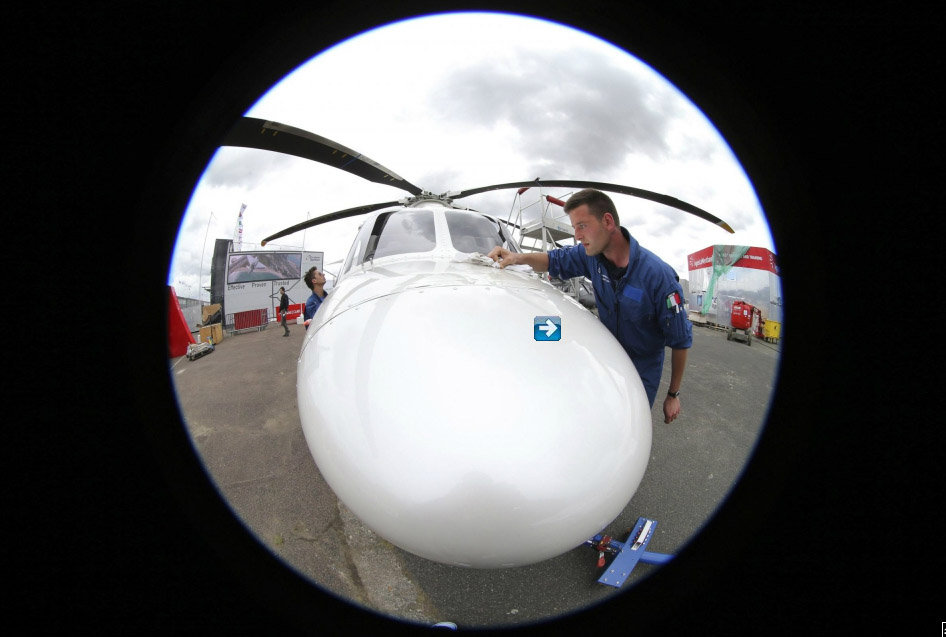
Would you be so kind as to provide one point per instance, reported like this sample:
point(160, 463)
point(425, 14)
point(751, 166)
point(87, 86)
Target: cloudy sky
point(460, 101)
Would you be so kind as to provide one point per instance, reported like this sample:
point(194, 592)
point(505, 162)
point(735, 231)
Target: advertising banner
point(263, 266)
point(254, 279)
point(722, 275)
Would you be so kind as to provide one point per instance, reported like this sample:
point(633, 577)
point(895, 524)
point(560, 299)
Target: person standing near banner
point(284, 309)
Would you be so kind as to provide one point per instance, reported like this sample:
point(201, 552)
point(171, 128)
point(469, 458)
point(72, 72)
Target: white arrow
point(549, 328)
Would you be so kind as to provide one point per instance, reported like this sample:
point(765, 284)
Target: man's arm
point(678, 361)
point(538, 261)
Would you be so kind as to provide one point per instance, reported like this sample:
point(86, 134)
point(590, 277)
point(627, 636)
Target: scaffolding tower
point(546, 232)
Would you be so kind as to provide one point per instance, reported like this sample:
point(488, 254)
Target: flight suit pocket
point(633, 303)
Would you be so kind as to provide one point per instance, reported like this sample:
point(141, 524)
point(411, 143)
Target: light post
point(200, 276)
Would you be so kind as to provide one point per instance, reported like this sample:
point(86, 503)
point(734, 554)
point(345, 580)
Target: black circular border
point(113, 95)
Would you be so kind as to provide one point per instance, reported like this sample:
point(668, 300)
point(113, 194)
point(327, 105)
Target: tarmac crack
point(337, 525)
point(240, 483)
point(303, 533)
point(377, 571)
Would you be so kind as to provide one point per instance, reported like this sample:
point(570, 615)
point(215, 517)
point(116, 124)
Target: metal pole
point(200, 276)
point(304, 229)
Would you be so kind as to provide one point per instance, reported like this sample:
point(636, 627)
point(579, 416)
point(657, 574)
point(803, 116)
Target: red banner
point(295, 311)
point(755, 258)
point(701, 259)
point(758, 259)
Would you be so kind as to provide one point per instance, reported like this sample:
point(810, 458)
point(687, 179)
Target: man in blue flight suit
point(639, 297)
point(315, 281)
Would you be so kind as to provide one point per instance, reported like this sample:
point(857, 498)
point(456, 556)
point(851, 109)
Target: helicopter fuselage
point(439, 417)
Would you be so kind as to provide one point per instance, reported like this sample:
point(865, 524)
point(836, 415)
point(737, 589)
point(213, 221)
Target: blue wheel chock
point(629, 553)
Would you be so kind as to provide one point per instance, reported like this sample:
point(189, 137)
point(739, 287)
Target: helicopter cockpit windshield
point(414, 231)
point(470, 232)
point(398, 232)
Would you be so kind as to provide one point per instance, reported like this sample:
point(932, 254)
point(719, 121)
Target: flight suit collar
point(632, 257)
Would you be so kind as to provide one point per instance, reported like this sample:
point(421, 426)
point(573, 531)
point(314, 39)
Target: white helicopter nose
point(442, 422)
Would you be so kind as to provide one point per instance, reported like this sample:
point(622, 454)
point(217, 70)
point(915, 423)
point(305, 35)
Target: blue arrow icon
point(547, 328)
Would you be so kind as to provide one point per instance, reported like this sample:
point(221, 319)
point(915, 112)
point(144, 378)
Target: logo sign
point(547, 328)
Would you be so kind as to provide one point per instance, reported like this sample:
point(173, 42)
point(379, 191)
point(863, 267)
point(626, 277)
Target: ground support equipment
point(196, 350)
point(771, 330)
point(628, 553)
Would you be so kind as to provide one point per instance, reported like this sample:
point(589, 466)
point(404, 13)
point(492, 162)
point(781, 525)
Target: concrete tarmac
point(239, 406)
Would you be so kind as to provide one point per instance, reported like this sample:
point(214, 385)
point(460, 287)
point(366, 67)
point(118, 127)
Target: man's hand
point(671, 409)
point(502, 256)
point(538, 261)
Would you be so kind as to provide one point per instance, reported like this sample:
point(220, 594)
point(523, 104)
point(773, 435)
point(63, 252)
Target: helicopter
point(441, 396)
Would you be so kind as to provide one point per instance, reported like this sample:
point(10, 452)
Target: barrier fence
point(247, 320)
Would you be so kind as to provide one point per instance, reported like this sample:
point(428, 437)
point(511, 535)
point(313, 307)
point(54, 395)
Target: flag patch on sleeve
point(673, 302)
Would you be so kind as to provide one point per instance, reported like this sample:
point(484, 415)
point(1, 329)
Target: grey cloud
point(740, 218)
point(572, 106)
point(192, 225)
point(666, 223)
point(701, 149)
point(244, 168)
point(441, 180)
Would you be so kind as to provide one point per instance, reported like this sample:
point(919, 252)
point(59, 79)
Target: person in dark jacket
point(284, 309)
point(315, 281)
point(639, 297)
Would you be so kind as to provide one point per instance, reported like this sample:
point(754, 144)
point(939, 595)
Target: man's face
point(318, 278)
point(591, 233)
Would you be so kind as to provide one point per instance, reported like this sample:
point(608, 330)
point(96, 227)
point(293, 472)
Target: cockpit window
point(401, 232)
point(475, 233)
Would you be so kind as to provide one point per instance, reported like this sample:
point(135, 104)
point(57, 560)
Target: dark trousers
point(283, 322)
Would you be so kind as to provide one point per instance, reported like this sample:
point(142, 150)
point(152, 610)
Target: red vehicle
point(745, 321)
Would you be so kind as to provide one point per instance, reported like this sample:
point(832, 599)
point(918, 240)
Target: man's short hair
point(308, 277)
point(598, 203)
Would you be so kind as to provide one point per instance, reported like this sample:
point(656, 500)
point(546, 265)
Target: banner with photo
point(244, 267)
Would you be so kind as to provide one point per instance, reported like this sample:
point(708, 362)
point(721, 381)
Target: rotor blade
point(666, 200)
point(250, 132)
point(334, 216)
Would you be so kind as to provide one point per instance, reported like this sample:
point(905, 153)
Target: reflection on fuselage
point(437, 417)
